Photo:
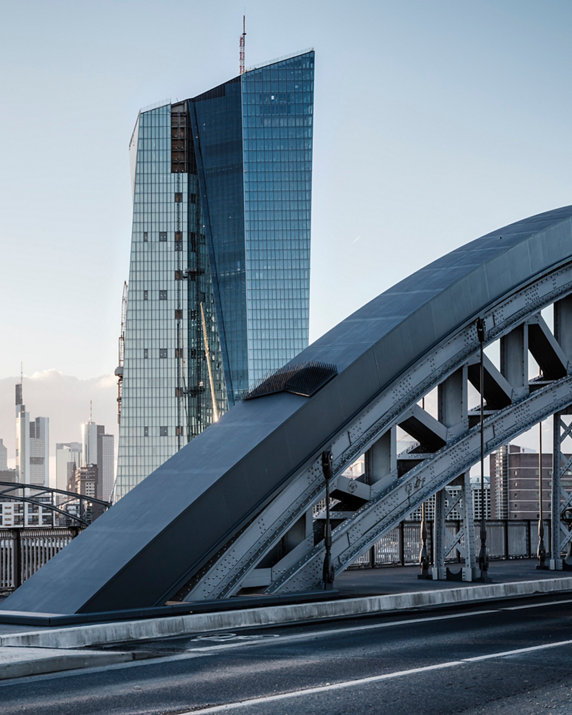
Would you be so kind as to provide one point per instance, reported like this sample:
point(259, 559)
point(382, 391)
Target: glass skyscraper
point(220, 256)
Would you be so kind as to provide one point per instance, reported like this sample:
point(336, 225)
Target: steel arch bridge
point(72, 506)
point(238, 506)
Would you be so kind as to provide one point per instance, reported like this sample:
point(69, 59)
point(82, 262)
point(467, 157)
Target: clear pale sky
point(435, 122)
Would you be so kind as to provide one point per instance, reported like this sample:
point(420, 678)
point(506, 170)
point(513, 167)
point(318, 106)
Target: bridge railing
point(506, 539)
point(23, 551)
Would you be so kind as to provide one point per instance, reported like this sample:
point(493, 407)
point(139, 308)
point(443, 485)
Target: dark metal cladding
point(304, 380)
point(151, 543)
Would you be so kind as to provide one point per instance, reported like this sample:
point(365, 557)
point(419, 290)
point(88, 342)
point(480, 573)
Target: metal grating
point(304, 379)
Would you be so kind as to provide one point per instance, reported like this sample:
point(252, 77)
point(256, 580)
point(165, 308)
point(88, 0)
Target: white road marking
point(329, 687)
point(536, 605)
point(313, 635)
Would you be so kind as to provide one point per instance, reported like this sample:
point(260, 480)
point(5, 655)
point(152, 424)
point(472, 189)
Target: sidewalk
point(400, 579)
point(33, 650)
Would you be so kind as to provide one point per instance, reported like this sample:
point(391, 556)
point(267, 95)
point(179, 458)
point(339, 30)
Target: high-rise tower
point(220, 255)
point(32, 445)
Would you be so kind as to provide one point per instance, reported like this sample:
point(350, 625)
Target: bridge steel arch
point(235, 507)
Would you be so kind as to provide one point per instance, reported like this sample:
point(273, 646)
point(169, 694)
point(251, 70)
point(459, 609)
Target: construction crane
point(209, 365)
point(242, 45)
point(121, 351)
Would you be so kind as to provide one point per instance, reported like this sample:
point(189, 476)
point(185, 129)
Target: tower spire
point(242, 45)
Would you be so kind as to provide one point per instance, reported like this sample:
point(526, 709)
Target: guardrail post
point(17, 560)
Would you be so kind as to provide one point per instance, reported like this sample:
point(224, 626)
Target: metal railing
point(506, 539)
point(23, 551)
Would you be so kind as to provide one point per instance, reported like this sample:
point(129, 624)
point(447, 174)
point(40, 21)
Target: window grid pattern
point(150, 378)
point(220, 245)
point(277, 107)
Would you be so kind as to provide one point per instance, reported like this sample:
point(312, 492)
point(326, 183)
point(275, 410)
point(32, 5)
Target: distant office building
point(105, 465)
point(84, 480)
point(68, 457)
point(3, 456)
point(220, 256)
point(455, 514)
point(89, 432)
point(16, 514)
point(8, 475)
point(32, 445)
point(514, 483)
point(98, 450)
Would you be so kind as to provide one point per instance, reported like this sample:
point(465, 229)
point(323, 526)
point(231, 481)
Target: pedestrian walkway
point(402, 579)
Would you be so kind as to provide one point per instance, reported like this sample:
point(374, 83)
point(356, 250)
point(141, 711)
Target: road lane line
point(536, 605)
point(313, 635)
point(329, 687)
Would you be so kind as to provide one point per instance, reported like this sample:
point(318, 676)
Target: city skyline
point(427, 138)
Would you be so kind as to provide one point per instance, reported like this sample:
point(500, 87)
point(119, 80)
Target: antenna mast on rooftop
point(242, 45)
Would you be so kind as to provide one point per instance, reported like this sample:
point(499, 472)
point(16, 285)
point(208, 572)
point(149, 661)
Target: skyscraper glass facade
point(220, 256)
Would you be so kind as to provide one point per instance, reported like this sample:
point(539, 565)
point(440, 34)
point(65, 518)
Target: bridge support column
point(561, 500)
point(469, 569)
point(439, 572)
point(380, 460)
point(514, 360)
point(561, 511)
point(453, 413)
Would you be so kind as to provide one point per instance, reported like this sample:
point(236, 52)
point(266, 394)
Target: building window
point(145, 236)
point(178, 197)
point(145, 295)
point(178, 275)
point(178, 353)
point(163, 431)
point(145, 431)
point(178, 392)
point(193, 198)
point(145, 353)
point(178, 246)
point(162, 295)
point(163, 236)
point(178, 314)
point(179, 430)
point(163, 352)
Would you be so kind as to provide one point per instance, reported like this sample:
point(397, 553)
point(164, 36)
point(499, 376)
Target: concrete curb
point(122, 631)
point(20, 662)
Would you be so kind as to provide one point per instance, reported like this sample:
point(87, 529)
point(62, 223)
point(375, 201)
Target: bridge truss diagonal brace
point(357, 436)
point(354, 536)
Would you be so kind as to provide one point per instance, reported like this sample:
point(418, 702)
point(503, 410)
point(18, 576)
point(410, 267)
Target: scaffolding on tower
point(121, 350)
point(242, 45)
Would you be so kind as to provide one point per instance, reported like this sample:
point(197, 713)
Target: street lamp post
point(483, 556)
point(424, 554)
point(328, 568)
point(541, 551)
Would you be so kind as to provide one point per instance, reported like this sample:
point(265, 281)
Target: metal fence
point(506, 539)
point(23, 551)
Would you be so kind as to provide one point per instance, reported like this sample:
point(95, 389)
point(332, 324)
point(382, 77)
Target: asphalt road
point(494, 659)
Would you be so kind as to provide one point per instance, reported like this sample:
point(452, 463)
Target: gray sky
point(435, 122)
